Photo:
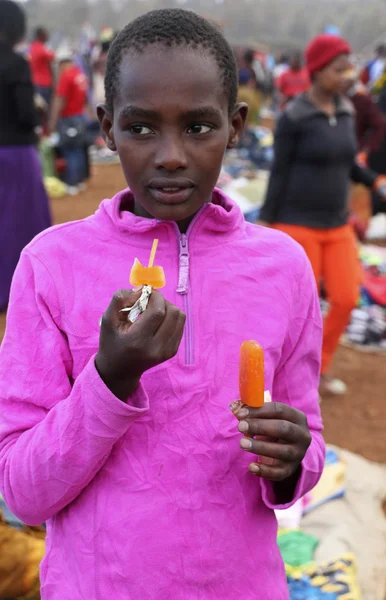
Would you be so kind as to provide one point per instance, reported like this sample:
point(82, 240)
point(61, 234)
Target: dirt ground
point(357, 421)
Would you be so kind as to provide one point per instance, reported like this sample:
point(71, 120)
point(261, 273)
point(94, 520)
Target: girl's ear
point(238, 119)
point(106, 123)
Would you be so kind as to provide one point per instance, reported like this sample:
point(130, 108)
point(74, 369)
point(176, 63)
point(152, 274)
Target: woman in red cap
point(315, 149)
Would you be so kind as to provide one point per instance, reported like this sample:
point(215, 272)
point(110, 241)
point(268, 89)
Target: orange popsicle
point(149, 275)
point(251, 374)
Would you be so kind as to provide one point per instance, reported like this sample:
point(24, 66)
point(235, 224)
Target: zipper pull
point(183, 270)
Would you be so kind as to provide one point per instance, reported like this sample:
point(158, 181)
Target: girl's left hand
point(279, 435)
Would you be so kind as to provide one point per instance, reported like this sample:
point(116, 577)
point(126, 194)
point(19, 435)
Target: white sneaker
point(72, 190)
point(82, 187)
point(333, 386)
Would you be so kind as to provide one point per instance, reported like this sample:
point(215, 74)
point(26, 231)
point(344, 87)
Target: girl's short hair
point(12, 22)
point(171, 28)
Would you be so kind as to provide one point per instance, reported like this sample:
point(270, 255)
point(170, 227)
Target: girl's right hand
point(127, 350)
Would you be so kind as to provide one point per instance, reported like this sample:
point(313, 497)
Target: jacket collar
point(302, 108)
point(215, 223)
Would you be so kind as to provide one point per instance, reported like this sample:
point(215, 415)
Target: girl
point(24, 208)
point(126, 446)
point(315, 149)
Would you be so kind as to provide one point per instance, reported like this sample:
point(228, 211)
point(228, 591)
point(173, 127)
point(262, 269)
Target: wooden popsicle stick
point(152, 253)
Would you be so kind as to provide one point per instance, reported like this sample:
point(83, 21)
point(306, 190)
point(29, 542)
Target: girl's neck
point(139, 211)
point(323, 99)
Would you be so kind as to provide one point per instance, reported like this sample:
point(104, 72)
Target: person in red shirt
point(72, 89)
point(41, 59)
point(294, 81)
point(68, 118)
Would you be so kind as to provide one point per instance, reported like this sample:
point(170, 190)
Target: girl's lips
point(171, 195)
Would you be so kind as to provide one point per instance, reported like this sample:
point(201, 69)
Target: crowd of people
point(56, 93)
point(100, 412)
point(330, 132)
point(315, 159)
point(44, 96)
point(24, 205)
point(70, 83)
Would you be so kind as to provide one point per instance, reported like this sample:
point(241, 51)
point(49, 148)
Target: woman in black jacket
point(24, 208)
point(315, 148)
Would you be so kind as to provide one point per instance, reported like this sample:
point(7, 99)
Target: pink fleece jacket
point(152, 499)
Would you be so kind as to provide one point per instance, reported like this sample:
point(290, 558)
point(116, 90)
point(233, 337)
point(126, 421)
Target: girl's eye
point(199, 129)
point(140, 130)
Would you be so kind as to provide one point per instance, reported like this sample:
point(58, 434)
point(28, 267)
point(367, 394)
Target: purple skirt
point(24, 208)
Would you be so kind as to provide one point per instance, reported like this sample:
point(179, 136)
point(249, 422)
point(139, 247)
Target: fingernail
point(246, 444)
point(243, 426)
point(137, 289)
point(243, 413)
point(254, 468)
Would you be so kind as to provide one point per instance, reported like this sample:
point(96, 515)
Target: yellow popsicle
point(150, 275)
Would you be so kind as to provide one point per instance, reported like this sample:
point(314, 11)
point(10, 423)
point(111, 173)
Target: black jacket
point(18, 116)
point(314, 162)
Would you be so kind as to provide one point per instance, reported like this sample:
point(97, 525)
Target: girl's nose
point(171, 154)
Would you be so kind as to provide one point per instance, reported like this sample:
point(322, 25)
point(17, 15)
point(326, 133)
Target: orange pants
point(333, 255)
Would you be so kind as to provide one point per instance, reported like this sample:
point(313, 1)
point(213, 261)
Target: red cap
point(324, 49)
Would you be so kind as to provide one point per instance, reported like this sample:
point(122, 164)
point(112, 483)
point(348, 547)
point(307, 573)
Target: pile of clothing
point(373, 259)
point(368, 321)
point(253, 152)
point(368, 327)
point(307, 578)
point(245, 172)
point(22, 549)
point(335, 580)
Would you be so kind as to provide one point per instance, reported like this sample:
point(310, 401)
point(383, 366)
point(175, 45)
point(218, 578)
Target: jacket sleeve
point(284, 150)
point(55, 434)
point(23, 91)
point(297, 379)
point(363, 175)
